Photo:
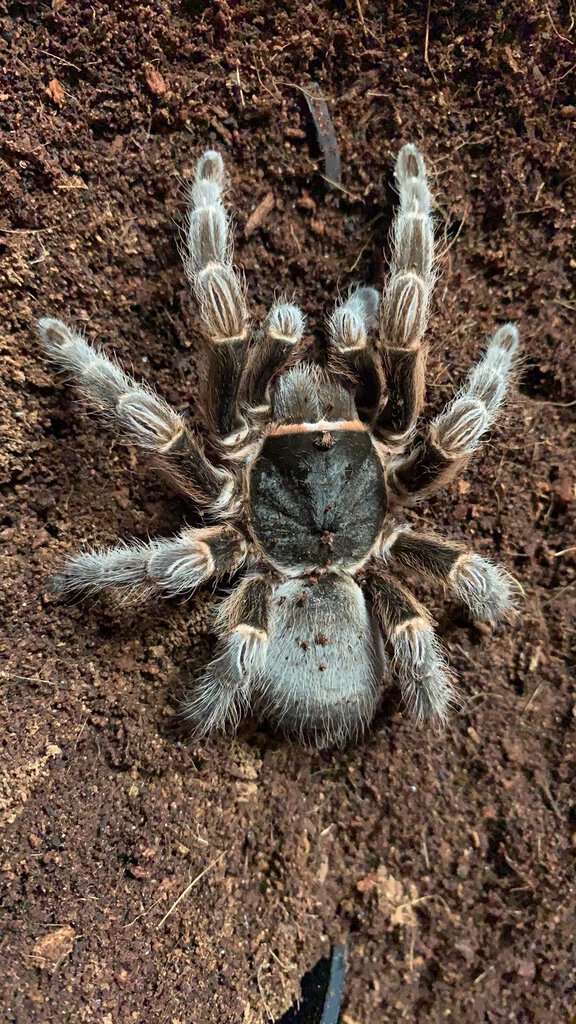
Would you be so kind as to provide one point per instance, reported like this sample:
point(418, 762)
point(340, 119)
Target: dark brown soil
point(448, 861)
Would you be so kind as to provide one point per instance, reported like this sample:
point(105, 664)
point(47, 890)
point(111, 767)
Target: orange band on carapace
point(322, 426)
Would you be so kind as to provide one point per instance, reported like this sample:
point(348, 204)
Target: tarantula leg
point(406, 300)
point(348, 330)
point(456, 433)
point(219, 292)
point(170, 568)
point(487, 589)
point(143, 417)
point(222, 694)
point(279, 339)
point(418, 659)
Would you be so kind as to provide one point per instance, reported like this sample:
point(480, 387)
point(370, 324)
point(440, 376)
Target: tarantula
point(307, 460)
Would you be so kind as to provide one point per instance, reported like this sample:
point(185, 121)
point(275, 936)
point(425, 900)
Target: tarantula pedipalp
point(306, 466)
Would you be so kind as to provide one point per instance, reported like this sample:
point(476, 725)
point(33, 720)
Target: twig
point(24, 231)
point(188, 888)
point(240, 89)
point(530, 701)
point(424, 899)
point(361, 16)
point(427, 41)
point(143, 913)
point(561, 405)
point(61, 60)
point(565, 39)
point(558, 593)
point(261, 990)
point(284, 967)
point(481, 977)
point(411, 950)
point(546, 790)
point(336, 184)
point(26, 679)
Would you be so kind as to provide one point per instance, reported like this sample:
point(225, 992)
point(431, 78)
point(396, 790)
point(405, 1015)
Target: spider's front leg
point(484, 587)
point(349, 328)
point(172, 567)
point(418, 660)
point(142, 416)
point(220, 296)
point(222, 695)
point(406, 301)
point(239, 374)
point(272, 348)
point(456, 433)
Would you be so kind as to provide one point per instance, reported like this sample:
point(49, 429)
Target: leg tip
point(490, 593)
point(507, 338)
point(410, 163)
point(53, 333)
point(368, 302)
point(287, 322)
point(210, 167)
point(425, 679)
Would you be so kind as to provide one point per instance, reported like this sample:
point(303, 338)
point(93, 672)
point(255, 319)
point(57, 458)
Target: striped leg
point(272, 348)
point(222, 694)
point(456, 433)
point(169, 568)
point(348, 332)
point(142, 416)
point(417, 657)
point(486, 588)
point(406, 300)
point(219, 292)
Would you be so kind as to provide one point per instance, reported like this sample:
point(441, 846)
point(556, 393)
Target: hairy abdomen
point(325, 659)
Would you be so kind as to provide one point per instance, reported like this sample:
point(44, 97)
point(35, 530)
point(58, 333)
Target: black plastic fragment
point(322, 989)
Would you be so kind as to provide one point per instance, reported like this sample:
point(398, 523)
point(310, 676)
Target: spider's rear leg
point(406, 300)
point(220, 295)
point(455, 434)
point(486, 588)
point(143, 417)
point(418, 659)
point(223, 693)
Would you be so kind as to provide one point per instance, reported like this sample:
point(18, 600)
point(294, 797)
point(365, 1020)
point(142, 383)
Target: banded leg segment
point(219, 292)
point(456, 433)
point(418, 659)
point(486, 588)
point(222, 695)
point(272, 347)
point(170, 568)
point(406, 301)
point(348, 332)
point(142, 416)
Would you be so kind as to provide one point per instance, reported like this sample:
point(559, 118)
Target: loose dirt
point(447, 860)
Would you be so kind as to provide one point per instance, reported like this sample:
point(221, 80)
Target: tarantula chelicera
point(306, 462)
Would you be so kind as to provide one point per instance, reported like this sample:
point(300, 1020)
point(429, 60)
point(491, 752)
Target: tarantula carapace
point(305, 467)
